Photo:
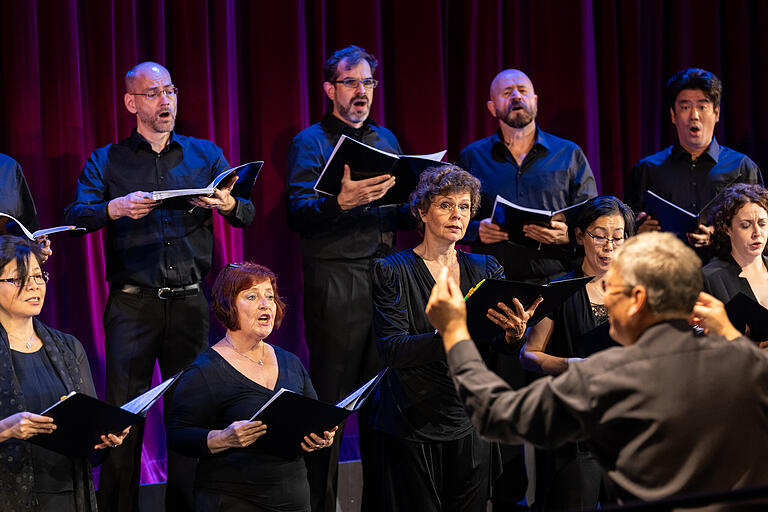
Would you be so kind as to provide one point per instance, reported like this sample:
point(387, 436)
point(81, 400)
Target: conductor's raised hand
point(490, 233)
point(237, 435)
point(357, 193)
point(514, 322)
point(221, 199)
point(314, 442)
point(709, 314)
point(134, 205)
point(24, 425)
point(447, 311)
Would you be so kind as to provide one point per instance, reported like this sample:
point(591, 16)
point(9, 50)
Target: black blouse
point(416, 399)
point(573, 319)
point(42, 388)
point(210, 396)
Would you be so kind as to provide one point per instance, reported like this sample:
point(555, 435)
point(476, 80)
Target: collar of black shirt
point(713, 151)
point(337, 127)
point(136, 140)
point(499, 147)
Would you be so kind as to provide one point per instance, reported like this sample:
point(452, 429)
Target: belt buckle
point(162, 291)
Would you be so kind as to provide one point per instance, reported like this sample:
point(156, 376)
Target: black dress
point(569, 477)
point(431, 456)
point(210, 396)
point(34, 478)
point(722, 280)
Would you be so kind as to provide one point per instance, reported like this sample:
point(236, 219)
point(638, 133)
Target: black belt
point(164, 293)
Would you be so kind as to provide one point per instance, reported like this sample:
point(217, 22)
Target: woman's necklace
point(259, 361)
point(27, 343)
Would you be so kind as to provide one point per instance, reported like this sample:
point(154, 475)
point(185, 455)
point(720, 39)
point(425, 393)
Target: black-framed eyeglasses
point(447, 206)
point(601, 241)
point(39, 279)
point(170, 92)
point(354, 83)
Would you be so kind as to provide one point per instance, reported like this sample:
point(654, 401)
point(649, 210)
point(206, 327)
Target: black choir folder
point(290, 416)
point(246, 177)
point(512, 217)
point(11, 226)
point(81, 420)
point(366, 162)
point(744, 312)
point(672, 218)
point(488, 292)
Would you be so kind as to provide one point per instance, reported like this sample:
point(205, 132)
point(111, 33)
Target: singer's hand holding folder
point(367, 162)
point(489, 292)
point(246, 177)
point(512, 217)
point(290, 416)
point(12, 226)
point(81, 420)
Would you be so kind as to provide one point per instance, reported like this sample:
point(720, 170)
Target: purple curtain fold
point(250, 78)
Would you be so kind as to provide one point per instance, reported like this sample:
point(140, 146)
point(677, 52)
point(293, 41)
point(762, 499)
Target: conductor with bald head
point(156, 256)
point(531, 168)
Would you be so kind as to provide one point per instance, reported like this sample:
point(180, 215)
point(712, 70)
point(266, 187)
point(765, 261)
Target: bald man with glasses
point(156, 259)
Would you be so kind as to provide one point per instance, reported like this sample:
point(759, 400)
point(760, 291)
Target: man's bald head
point(151, 96)
point(513, 100)
point(144, 69)
point(515, 75)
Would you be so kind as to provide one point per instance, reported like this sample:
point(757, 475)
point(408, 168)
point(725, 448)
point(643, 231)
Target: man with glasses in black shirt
point(156, 258)
point(340, 238)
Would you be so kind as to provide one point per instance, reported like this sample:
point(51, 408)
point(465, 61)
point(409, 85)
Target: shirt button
point(693, 183)
point(168, 244)
point(170, 267)
point(162, 178)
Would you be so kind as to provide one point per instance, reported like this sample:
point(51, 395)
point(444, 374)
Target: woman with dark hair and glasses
point(38, 365)
point(570, 477)
point(226, 385)
point(431, 457)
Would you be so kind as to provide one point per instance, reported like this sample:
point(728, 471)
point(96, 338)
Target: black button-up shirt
point(688, 183)
point(554, 174)
point(15, 199)
point(168, 247)
point(326, 231)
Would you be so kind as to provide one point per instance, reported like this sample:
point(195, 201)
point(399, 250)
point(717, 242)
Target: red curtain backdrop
point(250, 78)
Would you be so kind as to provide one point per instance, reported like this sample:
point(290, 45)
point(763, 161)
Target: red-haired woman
point(229, 382)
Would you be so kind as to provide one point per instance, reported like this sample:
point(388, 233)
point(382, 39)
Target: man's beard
point(520, 118)
point(158, 124)
point(345, 111)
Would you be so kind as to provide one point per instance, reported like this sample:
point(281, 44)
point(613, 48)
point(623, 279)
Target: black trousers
point(338, 311)
point(436, 476)
point(139, 330)
point(567, 478)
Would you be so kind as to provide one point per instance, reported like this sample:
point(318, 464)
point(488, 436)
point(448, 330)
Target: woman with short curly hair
point(432, 457)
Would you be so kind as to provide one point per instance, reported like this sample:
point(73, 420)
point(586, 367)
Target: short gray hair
point(669, 271)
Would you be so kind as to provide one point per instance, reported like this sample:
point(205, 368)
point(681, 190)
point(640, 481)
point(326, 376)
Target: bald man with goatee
point(534, 169)
point(156, 259)
point(531, 168)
